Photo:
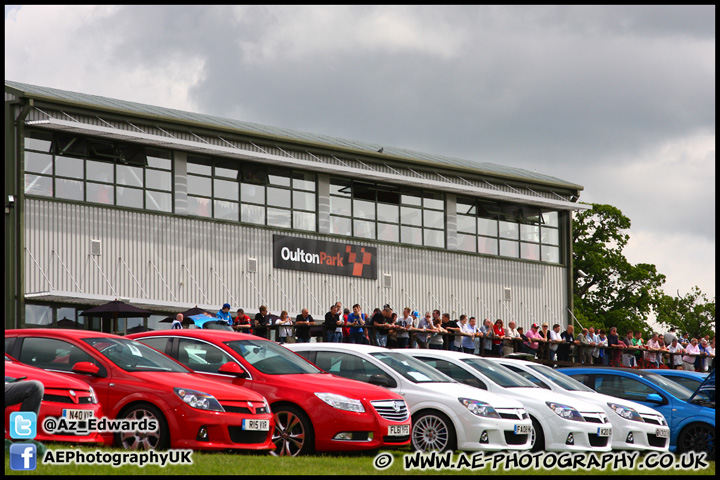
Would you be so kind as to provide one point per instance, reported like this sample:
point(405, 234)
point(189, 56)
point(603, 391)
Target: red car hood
point(219, 390)
point(50, 380)
point(328, 383)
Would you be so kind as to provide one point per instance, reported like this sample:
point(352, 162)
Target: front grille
point(257, 408)
point(656, 441)
point(653, 420)
point(512, 439)
point(593, 420)
point(238, 435)
point(49, 397)
point(402, 439)
point(394, 410)
point(233, 409)
point(84, 400)
point(597, 441)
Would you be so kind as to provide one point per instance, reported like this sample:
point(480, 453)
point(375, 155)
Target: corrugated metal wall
point(184, 261)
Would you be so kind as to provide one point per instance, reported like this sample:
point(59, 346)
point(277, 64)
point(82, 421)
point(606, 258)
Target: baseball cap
point(226, 305)
point(415, 314)
point(535, 325)
point(387, 305)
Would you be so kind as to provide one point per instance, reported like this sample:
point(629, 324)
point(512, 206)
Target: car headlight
point(93, 396)
point(341, 403)
point(565, 411)
point(199, 400)
point(481, 409)
point(626, 412)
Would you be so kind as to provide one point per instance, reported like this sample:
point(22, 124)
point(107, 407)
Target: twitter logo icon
point(23, 425)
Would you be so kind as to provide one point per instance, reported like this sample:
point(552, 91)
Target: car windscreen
point(133, 356)
point(411, 368)
point(270, 358)
point(563, 381)
point(503, 376)
point(671, 387)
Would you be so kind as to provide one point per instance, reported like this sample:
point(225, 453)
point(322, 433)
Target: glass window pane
point(551, 218)
point(129, 176)
point(38, 315)
point(340, 187)
point(434, 200)
point(467, 243)
point(159, 159)
point(38, 141)
point(364, 229)
point(340, 225)
point(530, 251)
point(509, 248)
point(99, 193)
point(487, 227)
point(487, 245)
point(550, 254)
point(509, 230)
point(411, 216)
point(199, 206)
point(66, 315)
point(158, 180)
point(411, 199)
point(70, 189)
point(411, 235)
point(227, 189)
point(529, 233)
point(304, 181)
point(69, 167)
point(199, 185)
point(434, 219)
point(279, 178)
point(278, 217)
point(38, 162)
point(340, 206)
point(466, 224)
point(252, 214)
point(550, 235)
point(434, 238)
point(388, 213)
point(37, 185)
point(364, 209)
point(278, 197)
point(130, 197)
point(99, 171)
point(304, 221)
point(200, 166)
point(304, 201)
point(388, 232)
point(252, 193)
point(226, 210)
point(227, 169)
point(159, 201)
point(465, 206)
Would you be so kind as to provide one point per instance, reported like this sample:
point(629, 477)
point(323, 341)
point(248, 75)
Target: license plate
point(262, 425)
point(604, 432)
point(662, 432)
point(398, 430)
point(74, 414)
point(522, 429)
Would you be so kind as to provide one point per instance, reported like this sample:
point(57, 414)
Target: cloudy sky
point(618, 99)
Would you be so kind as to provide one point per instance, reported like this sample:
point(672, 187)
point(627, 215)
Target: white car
point(560, 422)
point(446, 415)
point(635, 426)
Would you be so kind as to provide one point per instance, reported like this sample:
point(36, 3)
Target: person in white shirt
point(653, 344)
point(689, 361)
point(555, 340)
point(284, 332)
point(404, 323)
point(177, 323)
point(676, 360)
point(707, 349)
point(598, 352)
point(508, 343)
point(458, 340)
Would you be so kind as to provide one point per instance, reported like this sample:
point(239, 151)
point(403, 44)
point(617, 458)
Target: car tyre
point(432, 430)
point(293, 434)
point(538, 437)
point(158, 440)
point(698, 437)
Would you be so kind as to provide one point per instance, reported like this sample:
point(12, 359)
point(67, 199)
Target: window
point(97, 171)
point(49, 353)
point(348, 366)
point(200, 356)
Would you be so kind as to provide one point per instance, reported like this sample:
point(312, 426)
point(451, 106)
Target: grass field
point(363, 464)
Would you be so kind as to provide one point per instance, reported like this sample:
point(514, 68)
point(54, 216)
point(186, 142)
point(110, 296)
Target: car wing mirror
point(382, 381)
point(654, 398)
point(87, 368)
point(232, 368)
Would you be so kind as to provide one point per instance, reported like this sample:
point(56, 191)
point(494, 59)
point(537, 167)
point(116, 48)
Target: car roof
point(351, 347)
point(677, 373)
point(59, 332)
point(211, 335)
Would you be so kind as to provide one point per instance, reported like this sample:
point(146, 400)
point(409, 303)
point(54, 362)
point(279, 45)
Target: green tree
point(692, 313)
point(609, 290)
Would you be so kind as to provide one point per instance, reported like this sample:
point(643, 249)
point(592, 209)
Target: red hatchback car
point(314, 410)
point(134, 381)
point(63, 397)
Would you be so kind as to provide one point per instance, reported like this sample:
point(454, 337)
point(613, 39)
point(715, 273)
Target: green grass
point(326, 464)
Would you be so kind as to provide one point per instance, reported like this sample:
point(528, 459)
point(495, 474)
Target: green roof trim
point(283, 134)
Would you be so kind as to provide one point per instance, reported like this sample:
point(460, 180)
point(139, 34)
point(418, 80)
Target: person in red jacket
point(242, 322)
point(499, 335)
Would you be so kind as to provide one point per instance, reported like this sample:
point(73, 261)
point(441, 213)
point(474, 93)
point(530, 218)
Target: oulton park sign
point(334, 258)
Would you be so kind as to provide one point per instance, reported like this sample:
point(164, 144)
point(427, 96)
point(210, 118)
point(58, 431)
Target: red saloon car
point(134, 381)
point(314, 410)
point(64, 397)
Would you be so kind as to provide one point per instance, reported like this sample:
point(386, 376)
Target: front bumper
point(492, 434)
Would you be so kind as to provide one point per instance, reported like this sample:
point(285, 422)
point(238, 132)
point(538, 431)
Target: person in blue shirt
point(224, 314)
point(355, 321)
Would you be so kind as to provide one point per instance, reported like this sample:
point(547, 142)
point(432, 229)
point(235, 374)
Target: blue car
point(689, 380)
point(692, 426)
